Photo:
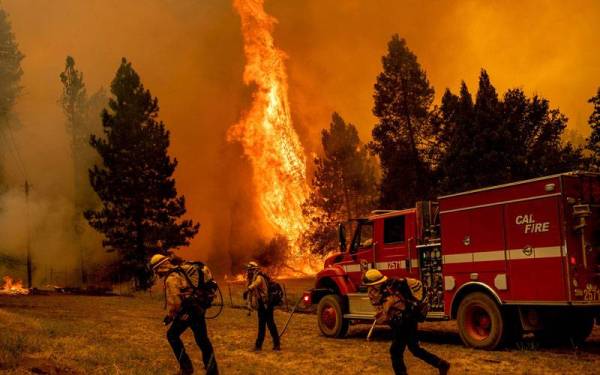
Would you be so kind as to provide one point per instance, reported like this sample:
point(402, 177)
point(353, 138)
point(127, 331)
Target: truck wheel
point(480, 322)
point(330, 316)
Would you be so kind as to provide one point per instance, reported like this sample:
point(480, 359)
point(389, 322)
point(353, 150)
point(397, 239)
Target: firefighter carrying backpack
point(274, 291)
point(199, 277)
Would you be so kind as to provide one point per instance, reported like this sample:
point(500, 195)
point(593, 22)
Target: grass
point(125, 335)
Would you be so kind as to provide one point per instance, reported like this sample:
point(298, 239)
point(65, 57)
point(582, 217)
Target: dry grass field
point(124, 335)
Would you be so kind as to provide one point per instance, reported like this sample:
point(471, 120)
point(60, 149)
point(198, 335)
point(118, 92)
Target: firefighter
point(258, 294)
point(393, 300)
point(184, 310)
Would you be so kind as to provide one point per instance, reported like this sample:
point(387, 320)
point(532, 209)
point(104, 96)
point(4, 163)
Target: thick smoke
point(189, 54)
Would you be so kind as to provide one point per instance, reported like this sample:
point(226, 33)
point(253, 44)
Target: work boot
point(277, 348)
point(443, 367)
point(256, 349)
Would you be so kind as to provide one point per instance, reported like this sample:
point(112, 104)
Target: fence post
point(230, 298)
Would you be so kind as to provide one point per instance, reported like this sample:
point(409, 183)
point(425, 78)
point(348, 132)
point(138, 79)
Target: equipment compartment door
point(534, 251)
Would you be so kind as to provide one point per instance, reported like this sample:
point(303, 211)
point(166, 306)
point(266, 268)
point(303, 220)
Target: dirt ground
point(124, 335)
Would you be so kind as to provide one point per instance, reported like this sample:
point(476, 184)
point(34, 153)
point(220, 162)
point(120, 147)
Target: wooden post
point(287, 306)
point(230, 298)
point(28, 242)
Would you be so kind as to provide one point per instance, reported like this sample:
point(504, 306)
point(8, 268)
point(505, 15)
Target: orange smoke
point(12, 287)
point(266, 131)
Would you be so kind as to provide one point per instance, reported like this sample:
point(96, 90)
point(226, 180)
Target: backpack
point(200, 279)
point(420, 298)
point(274, 291)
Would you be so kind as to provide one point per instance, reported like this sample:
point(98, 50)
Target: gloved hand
point(245, 294)
point(167, 320)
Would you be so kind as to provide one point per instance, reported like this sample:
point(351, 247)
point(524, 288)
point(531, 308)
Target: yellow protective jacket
point(176, 290)
point(258, 289)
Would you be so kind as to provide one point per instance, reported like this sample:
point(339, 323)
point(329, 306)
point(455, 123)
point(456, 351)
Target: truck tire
point(330, 316)
point(480, 322)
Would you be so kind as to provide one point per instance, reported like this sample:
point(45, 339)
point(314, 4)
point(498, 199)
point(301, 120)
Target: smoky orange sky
point(189, 53)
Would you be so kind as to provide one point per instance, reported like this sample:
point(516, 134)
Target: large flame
point(12, 287)
point(266, 131)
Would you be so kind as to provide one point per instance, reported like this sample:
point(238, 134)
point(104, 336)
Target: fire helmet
point(373, 277)
point(157, 260)
point(252, 266)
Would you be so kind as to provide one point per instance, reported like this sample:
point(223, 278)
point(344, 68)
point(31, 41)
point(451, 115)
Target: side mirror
point(342, 234)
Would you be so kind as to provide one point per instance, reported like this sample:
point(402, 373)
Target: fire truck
point(502, 260)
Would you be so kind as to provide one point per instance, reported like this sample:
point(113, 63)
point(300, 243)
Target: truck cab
point(389, 240)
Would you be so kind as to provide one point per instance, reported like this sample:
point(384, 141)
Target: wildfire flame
point(12, 287)
point(266, 131)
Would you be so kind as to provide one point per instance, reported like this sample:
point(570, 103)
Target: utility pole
point(27, 186)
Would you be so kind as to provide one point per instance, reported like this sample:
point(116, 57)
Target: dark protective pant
point(265, 318)
point(405, 334)
point(196, 322)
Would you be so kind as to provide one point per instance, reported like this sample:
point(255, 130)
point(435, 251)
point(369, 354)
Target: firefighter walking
point(258, 294)
point(186, 307)
point(396, 305)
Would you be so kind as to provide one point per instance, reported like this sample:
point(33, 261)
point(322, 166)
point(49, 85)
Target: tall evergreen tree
point(344, 184)
point(141, 211)
point(454, 131)
point(10, 74)
point(536, 133)
point(403, 98)
point(496, 141)
point(83, 119)
point(10, 68)
point(593, 142)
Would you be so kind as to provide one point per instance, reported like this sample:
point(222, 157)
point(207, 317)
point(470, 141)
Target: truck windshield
point(364, 236)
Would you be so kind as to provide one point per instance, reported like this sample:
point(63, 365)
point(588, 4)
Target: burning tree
point(344, 185)
point(141, 211)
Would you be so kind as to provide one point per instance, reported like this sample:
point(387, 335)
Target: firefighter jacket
point(176, 291)
point(258, 289)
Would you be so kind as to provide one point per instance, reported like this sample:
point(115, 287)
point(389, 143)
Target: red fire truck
point(501, 260)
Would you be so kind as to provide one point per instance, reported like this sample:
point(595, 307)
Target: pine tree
point(593, 142)
point(83, 119)
point(536, 133)
point(10, 68)
point(490, 151)
point(496, 141)
point(141, 211)
point(454, 135)
point(10, 74)
point(344, 185)
point(403, 98)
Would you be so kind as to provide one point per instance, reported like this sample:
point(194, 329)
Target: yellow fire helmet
point(373, 277)
point(157, 260)
point(252, 265)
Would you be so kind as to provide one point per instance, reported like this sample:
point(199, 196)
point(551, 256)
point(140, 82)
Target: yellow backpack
point(421, 303)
